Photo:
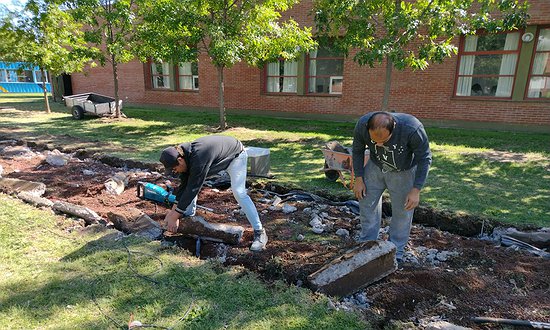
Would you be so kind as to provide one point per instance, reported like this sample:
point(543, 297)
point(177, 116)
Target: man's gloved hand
point(172, 221)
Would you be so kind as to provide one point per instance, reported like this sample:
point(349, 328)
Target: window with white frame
point(188, 76)
point(487, 65)
point(539, 81)
point(325, 71)
point(22, 76)
point(160, 73)
point(12, 75)
point(25, 76)
point(38, 76)
point(282, 77)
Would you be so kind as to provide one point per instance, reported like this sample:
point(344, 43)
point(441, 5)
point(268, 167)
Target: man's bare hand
point(359, 188)
point(413, 198)
point(172, 221)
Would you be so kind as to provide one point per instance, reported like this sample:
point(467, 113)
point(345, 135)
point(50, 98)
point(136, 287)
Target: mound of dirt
point(446, 276)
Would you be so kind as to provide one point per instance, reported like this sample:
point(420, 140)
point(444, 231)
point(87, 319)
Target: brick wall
point(426, 94)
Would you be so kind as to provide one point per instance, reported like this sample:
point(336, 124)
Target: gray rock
point(57, 158)
point(442, 256)
point(221, 252)
point(289, 208)
point(316, 222)
point(300, 237)
point(317, 230)
point(361, 298)
point(344, 233)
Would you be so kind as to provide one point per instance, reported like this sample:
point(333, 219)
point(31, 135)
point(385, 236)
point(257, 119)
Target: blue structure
point(20, 77)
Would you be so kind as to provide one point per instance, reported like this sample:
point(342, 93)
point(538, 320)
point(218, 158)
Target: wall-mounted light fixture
point(527, 37)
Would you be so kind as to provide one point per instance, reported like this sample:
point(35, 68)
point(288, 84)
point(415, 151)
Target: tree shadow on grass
point(255, 122)
point(115, 279)
point(504, 192)
point(505, 141)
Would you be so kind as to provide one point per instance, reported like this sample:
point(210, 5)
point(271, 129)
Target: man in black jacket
point(194, 162)
point(400, 159)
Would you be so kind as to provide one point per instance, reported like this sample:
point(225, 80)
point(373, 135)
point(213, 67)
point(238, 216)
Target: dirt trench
point(450, 276)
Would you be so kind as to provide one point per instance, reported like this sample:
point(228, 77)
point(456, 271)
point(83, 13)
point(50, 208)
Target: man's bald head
point(381, 121)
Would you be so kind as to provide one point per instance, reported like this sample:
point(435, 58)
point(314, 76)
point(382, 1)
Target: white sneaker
point(260, 240)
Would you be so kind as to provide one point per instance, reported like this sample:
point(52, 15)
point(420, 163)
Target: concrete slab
point(357, 268)
point(78, 211)
point(34, 200)
point(15, 186)
point(443, 325)
point(198, 227)
point(136, 222)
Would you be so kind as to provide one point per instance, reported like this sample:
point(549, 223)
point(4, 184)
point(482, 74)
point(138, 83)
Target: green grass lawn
point(461, 179)
point(55, 279)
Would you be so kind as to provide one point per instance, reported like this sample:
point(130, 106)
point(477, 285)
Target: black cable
point(147, 278)
point(94, 299)
point(138, 275)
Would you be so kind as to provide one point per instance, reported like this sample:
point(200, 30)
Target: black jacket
point(205, 156)
point(407, 147)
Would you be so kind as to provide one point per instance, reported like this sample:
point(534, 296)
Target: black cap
point(169, 158)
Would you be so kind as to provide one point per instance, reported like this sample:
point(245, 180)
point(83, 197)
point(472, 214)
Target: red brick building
point(495, 79)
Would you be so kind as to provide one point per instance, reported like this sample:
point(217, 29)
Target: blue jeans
point(399, 184)
point(237, 173)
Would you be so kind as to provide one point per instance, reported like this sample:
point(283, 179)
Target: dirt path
point(449, 277)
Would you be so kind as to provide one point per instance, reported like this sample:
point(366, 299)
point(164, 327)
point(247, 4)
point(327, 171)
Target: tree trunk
point(48, 110)
point(387, 85)
point(389, 67)
point(115, 78)
point(54, 87)
point(223, 123)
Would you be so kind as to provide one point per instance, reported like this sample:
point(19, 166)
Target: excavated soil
point(479, 279)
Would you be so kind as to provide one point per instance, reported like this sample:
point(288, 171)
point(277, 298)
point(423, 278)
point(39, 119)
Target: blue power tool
point(155, 193)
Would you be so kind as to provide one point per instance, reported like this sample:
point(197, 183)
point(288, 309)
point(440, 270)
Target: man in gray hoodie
point(399, 161)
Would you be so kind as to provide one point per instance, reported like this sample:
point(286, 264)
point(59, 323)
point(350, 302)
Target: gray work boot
point(260, 240)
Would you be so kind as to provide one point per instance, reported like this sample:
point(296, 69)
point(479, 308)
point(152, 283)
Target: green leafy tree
point(109, 27)
point(412, 33)
point(43, 35)
point(229, 31)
